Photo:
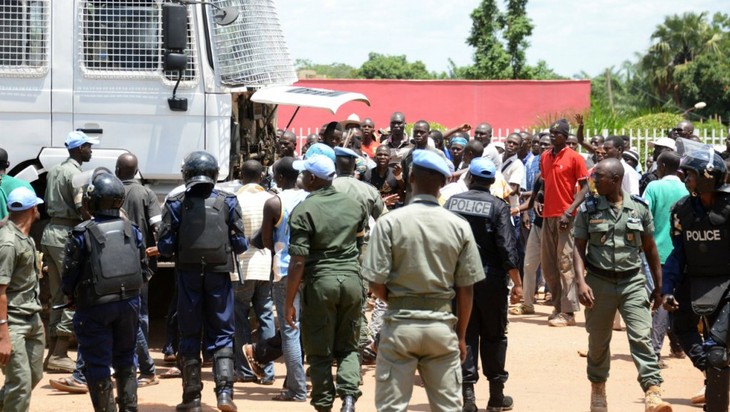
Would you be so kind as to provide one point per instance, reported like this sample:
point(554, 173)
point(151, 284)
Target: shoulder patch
point(639, 199)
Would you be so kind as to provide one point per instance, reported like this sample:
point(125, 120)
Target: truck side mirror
point(174, 40)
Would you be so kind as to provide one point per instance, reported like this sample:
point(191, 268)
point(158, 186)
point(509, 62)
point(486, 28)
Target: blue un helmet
point(708, 165)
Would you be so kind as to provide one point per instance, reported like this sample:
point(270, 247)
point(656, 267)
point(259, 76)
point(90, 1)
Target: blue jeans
point(295, 384)
point(146, 364)
point(256, 293)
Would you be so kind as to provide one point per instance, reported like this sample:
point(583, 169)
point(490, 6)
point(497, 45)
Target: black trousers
point(485, 334)
point(684, 324)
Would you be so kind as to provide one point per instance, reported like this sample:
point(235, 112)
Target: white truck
point(108, 68)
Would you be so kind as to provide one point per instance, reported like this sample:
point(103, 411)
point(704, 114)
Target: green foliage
point(434, 126)
point(517, 28)
point(381, 66)
point(541, 71)
point(331, 71)
point(491, 60)
point(657, 121)
point(706, 79)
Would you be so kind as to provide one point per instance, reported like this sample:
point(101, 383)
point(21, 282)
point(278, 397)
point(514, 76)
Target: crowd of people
point(439, 232)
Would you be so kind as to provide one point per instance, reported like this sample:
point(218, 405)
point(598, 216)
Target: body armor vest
point(479, 208)
point(203, 242)
point(706, 240)
point(113, 270)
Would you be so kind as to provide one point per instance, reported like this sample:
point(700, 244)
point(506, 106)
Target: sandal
point(147, 380)
point(69, 385)
point(171, 373)
point(522, 310)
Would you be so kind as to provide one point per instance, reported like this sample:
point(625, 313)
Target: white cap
point(664, 142)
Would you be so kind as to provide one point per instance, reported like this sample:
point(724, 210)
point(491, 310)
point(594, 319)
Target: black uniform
point(489, 218)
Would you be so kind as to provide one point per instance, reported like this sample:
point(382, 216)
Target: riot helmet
point(200, 168)
point(708, 165)
point(104, 193)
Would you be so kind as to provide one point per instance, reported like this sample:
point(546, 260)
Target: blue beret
point(483, 167)
point(428, 159)
point(345, 152)
point(320, 149)
point(459, 140)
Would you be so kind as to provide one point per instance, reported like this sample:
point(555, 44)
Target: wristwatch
point(3, 321)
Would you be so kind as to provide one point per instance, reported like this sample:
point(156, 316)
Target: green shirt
point(614, 240)
point(363, 193)
point(422, 251)
point(661, 195)
point(7, 185)
point(324, 228)
point(19, 264)
point(62, 202)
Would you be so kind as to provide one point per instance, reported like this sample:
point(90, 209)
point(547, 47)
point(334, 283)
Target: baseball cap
point(483, 167)
point(428, 159)
point(345, 152)
point(22, 198)
point(320, 149)
point(664, 142)
point(77, 138)
point(318, 165)
point(632, 154)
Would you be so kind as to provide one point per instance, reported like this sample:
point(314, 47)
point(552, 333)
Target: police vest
point(707, 239)
point(112, 270)
point(478, 208)
point(203, 242)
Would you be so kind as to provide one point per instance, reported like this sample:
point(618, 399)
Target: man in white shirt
point(614, 147)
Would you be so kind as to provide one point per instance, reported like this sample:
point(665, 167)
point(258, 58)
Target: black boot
point(126, 389)
point(470, 401)
point(102, 396)
point(192, 386)
point(223, 373)
point(348, 404)
point(497, 401)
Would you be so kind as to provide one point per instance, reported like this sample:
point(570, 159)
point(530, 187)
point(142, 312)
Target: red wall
point(506, 104)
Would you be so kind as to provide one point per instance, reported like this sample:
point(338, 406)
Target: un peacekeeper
point(65, 208)
point(104, 271)
point(698, 271)
point(203, 227)
point(609, 235)
point(419, 259)
point(491, 224)
point(7, 184)
point(21, 330)
point(326, 230)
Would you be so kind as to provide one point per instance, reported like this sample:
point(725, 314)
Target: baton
point(238, 268)
point(61, 306)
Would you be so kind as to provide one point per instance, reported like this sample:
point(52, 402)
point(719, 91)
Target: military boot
point(653, 400)
point(192, 386)
point(598, 397)
point(348, 404)
point(102, 396)
point(498, 402)
point(470, 401)
point(59, 360)
point(223, 373)
point(126, 389)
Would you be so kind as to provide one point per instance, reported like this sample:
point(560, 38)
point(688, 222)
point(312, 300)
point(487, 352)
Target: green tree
point(332, 70)
point(517, 28)
point(707, 79)
point(381, 66)
point(491, 60)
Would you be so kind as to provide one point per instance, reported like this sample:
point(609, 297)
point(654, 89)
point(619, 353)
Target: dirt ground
point(546, 374)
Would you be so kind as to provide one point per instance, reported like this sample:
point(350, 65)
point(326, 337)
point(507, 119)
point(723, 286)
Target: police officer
point(490, 221)
point(203, 227)
point(609, 234)
point(698, 271)
point(104, 270)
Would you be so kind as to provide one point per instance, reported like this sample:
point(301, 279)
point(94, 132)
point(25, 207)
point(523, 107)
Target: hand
point(290, 316)
point(465, 127)
point(5, 346)
point(397, 170)
point(585, 294)
point(462, 350)
point(526, 222)
point(152, 251)
point(579, 119)
point(514, 211)
point(564, 222)
point(670, 303)
point(656, 296)
point(516, 295)
point(538, 208)
point(391, 200)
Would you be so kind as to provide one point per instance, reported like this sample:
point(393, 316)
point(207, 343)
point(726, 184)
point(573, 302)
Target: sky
point(570, 35)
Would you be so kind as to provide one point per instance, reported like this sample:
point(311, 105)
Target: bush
point(657, 121)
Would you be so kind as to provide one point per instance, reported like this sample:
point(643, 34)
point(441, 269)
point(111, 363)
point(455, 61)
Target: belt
point(413, 303)
point(65, 221)
point(612, 274)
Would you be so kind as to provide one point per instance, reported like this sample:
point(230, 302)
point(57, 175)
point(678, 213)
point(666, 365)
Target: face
point(611, 150)
point(657, 151)
point(437, 141)
point(367, 128)
point(355, 139)
point(512, 144)
point(85, 150)
point(483, 134)
point(420, 133)
point(604, 181)
point(557, 139)
point(599, 154)
point(572, 142)
point(535, 145)
point(307, 181)
point(727, 142)
point(334, 139)
point(689, 177)
point(397, 125)
point(382, 156)
point(630, 160)
point(596, 142)
point(544, 143)
point(286, 146)
point(456, 150)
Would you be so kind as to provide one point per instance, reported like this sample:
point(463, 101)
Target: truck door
point(25, 79)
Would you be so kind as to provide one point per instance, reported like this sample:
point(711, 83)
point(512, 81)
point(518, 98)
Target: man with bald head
point(609, 236)
point(421, 131)
point(286, 145)
point(369, 143)
point(398, 142)
point(143, 209)
point(483, 133)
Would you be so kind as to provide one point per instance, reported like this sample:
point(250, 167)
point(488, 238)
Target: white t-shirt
point(630, 184)
point(514, 172)
point(491, 153)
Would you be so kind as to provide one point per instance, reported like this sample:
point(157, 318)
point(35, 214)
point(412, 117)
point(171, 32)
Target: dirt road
point(546, 375)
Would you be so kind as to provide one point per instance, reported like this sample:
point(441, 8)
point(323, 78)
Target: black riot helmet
point(709, 166)
point(200, 168)
point(104, 194)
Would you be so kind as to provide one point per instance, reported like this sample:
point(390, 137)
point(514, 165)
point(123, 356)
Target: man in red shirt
point(561, 168)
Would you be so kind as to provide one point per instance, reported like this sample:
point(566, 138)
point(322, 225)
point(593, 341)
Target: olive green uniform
point(62, 203)
point(420, 253)
point(613, 273)
point(324, 229)
point(19, 269)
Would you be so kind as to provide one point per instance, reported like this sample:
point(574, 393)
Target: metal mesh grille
point(24, 37)
point(124, 39)
point(252, 51)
